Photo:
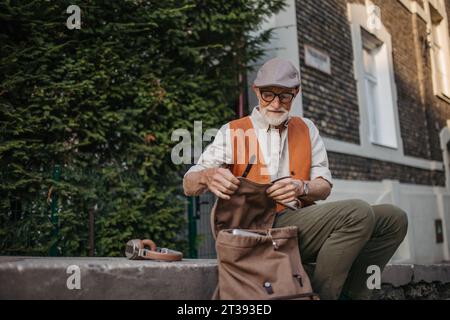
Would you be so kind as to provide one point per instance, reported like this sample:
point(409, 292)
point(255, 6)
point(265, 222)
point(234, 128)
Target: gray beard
point(274, 121)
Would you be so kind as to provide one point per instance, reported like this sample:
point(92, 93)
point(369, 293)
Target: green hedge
point(101, 102)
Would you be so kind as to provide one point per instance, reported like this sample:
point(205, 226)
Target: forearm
point(194, 183)
point(219, 181)
point(319, 189)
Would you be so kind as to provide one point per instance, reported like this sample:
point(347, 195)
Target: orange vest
point(245, 144)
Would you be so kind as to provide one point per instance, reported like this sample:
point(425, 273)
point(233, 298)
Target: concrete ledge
point(106, 278)
point(415, 282)
point(119, 278)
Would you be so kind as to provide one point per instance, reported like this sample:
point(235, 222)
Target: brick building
point(376, 82)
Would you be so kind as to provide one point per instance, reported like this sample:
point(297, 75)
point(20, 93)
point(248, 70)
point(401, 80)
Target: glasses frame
point(275, 95)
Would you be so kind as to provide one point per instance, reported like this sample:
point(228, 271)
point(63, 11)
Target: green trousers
point(344, 238)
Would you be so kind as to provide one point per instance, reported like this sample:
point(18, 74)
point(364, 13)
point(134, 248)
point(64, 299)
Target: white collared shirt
point(273, 147)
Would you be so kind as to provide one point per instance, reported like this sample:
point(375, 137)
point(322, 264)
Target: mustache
point(282, 110)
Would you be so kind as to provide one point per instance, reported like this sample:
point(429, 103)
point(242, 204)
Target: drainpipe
point(241, 96)
point(192, 225)
point(54, 213)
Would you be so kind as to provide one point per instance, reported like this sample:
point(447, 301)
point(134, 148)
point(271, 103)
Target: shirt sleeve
point(319, 157)
point(217, 154)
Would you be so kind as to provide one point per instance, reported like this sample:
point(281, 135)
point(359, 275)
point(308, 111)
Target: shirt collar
point(260, 122)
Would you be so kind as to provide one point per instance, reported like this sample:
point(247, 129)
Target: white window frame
point(377, 88)
point(438, 39)
point(362, 23)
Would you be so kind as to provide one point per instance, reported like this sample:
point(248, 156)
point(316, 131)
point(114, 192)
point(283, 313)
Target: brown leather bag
point(262, 265)
point(248, 208)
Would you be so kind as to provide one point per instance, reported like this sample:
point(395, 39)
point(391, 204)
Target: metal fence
point(200, 235)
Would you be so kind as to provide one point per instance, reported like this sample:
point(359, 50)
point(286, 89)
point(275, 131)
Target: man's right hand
point(221, 182)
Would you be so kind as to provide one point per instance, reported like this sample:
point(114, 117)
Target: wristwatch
point(305, 190)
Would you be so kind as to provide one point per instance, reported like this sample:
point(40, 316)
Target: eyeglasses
point(269, 96)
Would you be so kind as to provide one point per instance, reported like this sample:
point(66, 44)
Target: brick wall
point(332, 103)
point(349, 167)
point(422, 114)
point(412, 115)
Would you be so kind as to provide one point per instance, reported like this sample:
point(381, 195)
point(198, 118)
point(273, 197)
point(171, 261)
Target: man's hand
point(286, 190)
point(221, 182)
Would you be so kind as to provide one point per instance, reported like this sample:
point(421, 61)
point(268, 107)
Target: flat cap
point(278, 72)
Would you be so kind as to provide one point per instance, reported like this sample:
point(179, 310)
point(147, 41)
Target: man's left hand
point(286, 190)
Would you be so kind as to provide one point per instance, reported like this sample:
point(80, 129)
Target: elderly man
point(343, 238)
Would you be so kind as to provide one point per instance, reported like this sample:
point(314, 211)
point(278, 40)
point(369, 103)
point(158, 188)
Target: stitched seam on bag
point(229, 246)
point(300, 295)
point(265, 242)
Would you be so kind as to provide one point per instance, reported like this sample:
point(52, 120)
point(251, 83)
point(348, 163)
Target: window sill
point(443, 97)
point(384, 146)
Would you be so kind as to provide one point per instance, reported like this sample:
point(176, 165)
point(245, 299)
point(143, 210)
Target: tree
point(101, 103)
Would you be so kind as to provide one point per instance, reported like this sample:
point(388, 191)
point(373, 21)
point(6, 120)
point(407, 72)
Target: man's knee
point(398, 219)
point(360, 212)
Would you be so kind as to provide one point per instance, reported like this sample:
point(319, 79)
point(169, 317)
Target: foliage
point(101, 102)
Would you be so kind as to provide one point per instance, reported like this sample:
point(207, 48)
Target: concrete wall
point(106, 278)
point(118, 278)
point(423, 205)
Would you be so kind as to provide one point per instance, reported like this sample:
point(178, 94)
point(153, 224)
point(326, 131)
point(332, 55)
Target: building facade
point(376, 82)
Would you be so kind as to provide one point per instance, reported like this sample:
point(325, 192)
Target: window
point(378, 93)
point(374, 73)
point(440, 52)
